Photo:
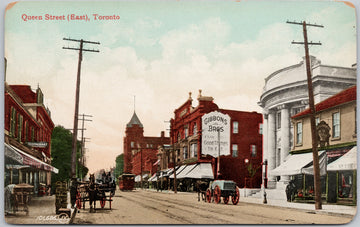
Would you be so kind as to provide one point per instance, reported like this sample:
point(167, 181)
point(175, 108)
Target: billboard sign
point(213, 124)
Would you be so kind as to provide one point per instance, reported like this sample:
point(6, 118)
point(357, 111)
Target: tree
point(119, 168)
point(61, 146)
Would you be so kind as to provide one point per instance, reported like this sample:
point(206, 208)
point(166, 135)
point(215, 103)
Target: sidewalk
point(41, 211)
point(326, 208)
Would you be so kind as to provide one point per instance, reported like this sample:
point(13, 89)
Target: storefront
point(21, 167)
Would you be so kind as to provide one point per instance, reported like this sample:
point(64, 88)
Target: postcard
point(180, 112)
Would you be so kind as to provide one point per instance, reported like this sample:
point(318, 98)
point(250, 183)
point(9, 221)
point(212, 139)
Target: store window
point(299, 132)
point(235, 127)
point(336, 125)
point(235, 150)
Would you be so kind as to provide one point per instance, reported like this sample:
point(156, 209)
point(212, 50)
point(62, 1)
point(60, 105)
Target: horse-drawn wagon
point(225, 189)
point(92, 192)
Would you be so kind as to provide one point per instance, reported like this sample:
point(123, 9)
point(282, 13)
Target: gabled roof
point(134, 121)
point(342, 97)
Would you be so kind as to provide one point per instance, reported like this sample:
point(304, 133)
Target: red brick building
point(28, 128)
point(245, 140)
point(139, 150)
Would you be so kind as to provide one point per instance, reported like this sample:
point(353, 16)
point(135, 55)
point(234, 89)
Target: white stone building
point(286, 93)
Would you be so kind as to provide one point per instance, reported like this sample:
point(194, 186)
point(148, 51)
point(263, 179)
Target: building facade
point(28, 128)
point(285, 94)
point(245, 141)
point(336, 132)
point(140, 152)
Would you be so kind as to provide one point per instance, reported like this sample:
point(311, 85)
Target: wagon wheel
point(226, 199)
point(208, 195)
point(217, 194)
point(235, 198)
point(102, 202)
point(78, 200)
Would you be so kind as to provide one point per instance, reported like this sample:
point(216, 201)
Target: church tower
point(134, 136)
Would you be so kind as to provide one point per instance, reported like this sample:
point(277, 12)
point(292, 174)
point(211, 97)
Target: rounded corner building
point(285, 94)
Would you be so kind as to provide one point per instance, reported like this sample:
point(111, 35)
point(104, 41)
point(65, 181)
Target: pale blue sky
point(160, 51)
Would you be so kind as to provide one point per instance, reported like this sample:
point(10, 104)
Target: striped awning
point(25, 159)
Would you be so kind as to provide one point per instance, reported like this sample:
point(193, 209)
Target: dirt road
point(151, 207)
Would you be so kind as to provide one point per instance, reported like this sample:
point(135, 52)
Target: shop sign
point(215, 129)
point(37, 144)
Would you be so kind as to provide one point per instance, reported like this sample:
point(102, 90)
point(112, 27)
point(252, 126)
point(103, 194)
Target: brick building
point(28, 128)
point(139, 150)
point(245, 141)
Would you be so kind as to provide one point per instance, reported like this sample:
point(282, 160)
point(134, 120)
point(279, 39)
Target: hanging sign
point(215, 130)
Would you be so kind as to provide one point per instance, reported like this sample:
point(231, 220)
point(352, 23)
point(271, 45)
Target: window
point(20, 126)
point(26, 131)
point(235, 127)
point(336, 125)
point(253, 150)
point(278, 123)
point(185, 150)
point(186, 131)
point(195, 129)
point(234, 150)
point(317, 120)
point(12, 122)
point(132, 144)
point(299, 133)
point(260, 129)
point(193, 149)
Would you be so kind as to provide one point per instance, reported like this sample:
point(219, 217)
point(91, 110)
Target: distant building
point(336, 132)
point(139, 150)
point(245, 145)
point(285, 94)
point(28, 129)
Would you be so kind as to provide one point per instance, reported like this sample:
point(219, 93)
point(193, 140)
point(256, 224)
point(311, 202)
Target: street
point(151, 207)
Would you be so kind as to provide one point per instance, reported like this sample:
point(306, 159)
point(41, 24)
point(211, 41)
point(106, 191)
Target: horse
point(92, 191)
point(201, 187)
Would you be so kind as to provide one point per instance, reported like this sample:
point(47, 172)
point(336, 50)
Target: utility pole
point(83, 143)
point(74, 142)
point(317, 185)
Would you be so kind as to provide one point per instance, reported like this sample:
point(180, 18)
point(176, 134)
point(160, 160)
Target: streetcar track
point(173, 216)
point(210, 209)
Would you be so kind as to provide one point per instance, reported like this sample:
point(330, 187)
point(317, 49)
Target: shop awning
point(201, 171)
point(347, 162)
point(178, 171)
point(157, 162)
point(138, 178)
point(26, 159)
point(322, 166)
point(293, 165)
point(186, 171)
point(153, 177)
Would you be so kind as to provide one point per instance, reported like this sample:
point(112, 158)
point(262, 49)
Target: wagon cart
point(22, 193)
point(99, 192)
point(225, 189)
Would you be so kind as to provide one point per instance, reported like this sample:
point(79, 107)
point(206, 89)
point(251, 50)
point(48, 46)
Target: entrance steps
point(271, 193)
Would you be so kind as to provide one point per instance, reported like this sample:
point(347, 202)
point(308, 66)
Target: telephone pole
point(75, 130)
point(317, 185)
point(82, 152)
